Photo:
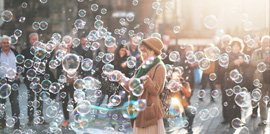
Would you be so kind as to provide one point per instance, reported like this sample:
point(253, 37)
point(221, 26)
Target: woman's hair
point(147, 47)
point(117, 58)
point(239, 42)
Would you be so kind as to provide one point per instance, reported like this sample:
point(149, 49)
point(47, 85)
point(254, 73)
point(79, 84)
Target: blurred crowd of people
point(241, 66)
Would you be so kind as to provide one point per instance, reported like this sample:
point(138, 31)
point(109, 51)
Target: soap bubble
point(98, 24)
point(248, 26)
point(136, 40)
point(82, 13)
point(19, 59)
point(204, 114)
point(103, 11)
point(130, 111)
point(83, 107)
point(176, 29)
point(157, 35)
point(55, 88)
point(110, 41)
point(35, 25)
point(31, 73)
point(169, 5)
point(130, 16)
point(18, 33)
point(204, 64)
point(159, 11)
point(78, 84)
point(51, 111)
point(237, 123)
point(213, 76)
point(210, 21)
point(214, 112)
point(155, 5)
point(115, 100)
point(215, 93)
point(43, 25)
point(244, 17)
point(24, 5)
point(79, 24)
point(94, 7)
point(237, 89)
point(22, 19)
point(174, 86)
point(87, 64)
point(44, 96)
point(7, 16)
point(140, 104)
point(229, 92)
point(201, 93)
point(242, 99)
point(43, 1)
point(71, 63)
point(5, 91)
point(174, 56)
point(261, 67)
point(212, 53)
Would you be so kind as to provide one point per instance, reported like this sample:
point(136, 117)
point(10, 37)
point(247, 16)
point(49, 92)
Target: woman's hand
point(124, 65)
point(144, 78)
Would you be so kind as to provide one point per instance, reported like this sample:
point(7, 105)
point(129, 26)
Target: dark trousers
point(15, 109)
point(231, 110)
point(190, 117)
point(206, 80)
point(31, 98)
point(69, 93)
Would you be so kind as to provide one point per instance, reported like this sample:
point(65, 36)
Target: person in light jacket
point(152, 73)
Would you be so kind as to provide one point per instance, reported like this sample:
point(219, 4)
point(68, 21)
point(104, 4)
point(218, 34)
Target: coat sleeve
point(155, 86)
point(255, 58)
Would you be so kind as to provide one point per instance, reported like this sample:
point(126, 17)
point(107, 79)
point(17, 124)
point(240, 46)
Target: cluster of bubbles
point(87, 116)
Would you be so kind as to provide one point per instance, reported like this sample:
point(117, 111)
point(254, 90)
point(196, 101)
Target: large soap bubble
point(71, 63)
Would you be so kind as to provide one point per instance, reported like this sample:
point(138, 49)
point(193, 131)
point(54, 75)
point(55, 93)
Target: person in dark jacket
point(28, 54)
point(236, 62)
point(8, 61)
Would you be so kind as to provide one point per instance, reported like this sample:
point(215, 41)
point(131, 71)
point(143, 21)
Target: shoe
point(190, 131)
point(44, 123)
point(212, 99)
point(254, 116)
point(201, 99)
point(224, 122)
point(2, 127)
point(65, 123)
point(30, 123)
point(262, 123)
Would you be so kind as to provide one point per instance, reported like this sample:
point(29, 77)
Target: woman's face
point(235, 48)
point(122, 52)
point(146, 53)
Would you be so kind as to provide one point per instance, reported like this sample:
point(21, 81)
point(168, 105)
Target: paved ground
point(210, 126)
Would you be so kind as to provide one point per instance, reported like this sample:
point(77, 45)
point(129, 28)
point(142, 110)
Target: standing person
point(188, 74)
point(220, 72)
point(8, 58)
point(33, 39)
point(182, 96)
point(262, 55)
point(236, 62)
point(134, 51)
point(105, 88)
point(85, 51)
point(121, 54)
point(68, 87)
point(206, 79)
point(153, 77)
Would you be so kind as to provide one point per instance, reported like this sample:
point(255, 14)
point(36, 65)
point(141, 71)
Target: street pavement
point(209, 126)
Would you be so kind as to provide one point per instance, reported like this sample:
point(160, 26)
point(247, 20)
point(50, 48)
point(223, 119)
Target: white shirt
point(9, 59)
